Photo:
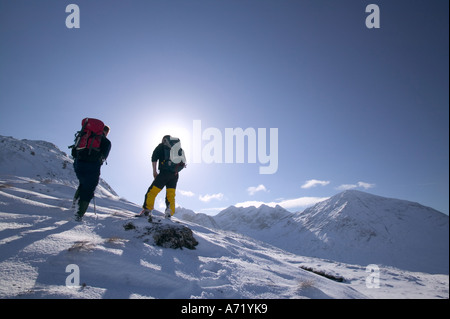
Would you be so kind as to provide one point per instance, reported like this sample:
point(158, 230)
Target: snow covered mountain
point(41, 246)
point(201, 219)
point(251, 219)
point(41, 161)
point(357, 227)
point(352, 227)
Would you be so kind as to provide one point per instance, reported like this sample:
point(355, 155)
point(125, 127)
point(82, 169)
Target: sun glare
point(175, 129)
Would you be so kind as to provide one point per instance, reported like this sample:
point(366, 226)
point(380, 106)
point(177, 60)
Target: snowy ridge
point(256, 219)
point(201, 219)
point(38, 240)
point(352, 227)
point(41, 161)
point(357, 227)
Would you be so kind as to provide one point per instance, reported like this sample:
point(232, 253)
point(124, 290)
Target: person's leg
point(76, 197)
point(154, 189)
point(88, 174)
point(170, 193)
point(171, 200)
point(82, 208)
point(150, 197)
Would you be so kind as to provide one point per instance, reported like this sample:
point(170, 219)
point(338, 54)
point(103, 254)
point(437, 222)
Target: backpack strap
point(93, 136)
point(78, 135)
point(180, 165)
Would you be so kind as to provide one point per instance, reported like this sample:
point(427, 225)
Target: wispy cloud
point(314, 183)
point(185, 193)
point(286, 203)
point(208, 197)
point(260, 188)
point(364, 185)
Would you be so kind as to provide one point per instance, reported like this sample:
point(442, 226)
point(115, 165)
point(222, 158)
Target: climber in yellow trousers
point(150, 199)
point(167, 177)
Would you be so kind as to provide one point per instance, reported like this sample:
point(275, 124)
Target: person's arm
point(155, 157)
point(105, 148)
point(155, 173)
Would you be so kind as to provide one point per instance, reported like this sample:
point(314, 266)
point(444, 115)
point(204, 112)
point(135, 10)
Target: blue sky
point(354, 108)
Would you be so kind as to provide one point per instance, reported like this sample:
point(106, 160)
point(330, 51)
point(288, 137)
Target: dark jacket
point(162, 154)
point(159, 154)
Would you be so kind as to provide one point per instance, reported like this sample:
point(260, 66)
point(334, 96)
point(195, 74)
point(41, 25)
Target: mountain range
point(352, 227)
point(263, 252)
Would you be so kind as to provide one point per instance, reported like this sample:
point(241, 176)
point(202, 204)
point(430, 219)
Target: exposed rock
point(165, 234)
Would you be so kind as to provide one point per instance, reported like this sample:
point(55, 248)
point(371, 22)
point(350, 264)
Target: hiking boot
point(144, 212)
point(82, 208)
point(167, 214)
point(76, 198)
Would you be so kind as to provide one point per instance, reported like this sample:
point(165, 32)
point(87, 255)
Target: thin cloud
point(314, 183)
point(186, 193)
point(260, 188)
point(208, 197)
point(364, 185)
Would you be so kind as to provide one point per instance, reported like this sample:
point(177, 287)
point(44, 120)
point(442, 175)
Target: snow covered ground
point(39, 240)
point(44, 254)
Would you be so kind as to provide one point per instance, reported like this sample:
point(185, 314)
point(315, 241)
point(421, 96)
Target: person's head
point(106, 130)
point(165, 138)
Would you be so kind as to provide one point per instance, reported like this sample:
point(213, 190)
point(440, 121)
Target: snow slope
point(42, 161)
point(39, 240)
point(40, 245)
point(352, 227)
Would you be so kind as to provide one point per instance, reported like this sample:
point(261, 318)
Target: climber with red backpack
point(90, 150)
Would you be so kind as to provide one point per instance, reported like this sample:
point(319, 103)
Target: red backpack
point(89, 137)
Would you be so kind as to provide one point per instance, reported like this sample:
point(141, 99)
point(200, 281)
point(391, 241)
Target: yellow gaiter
point(170, 193)
point(150, 197)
